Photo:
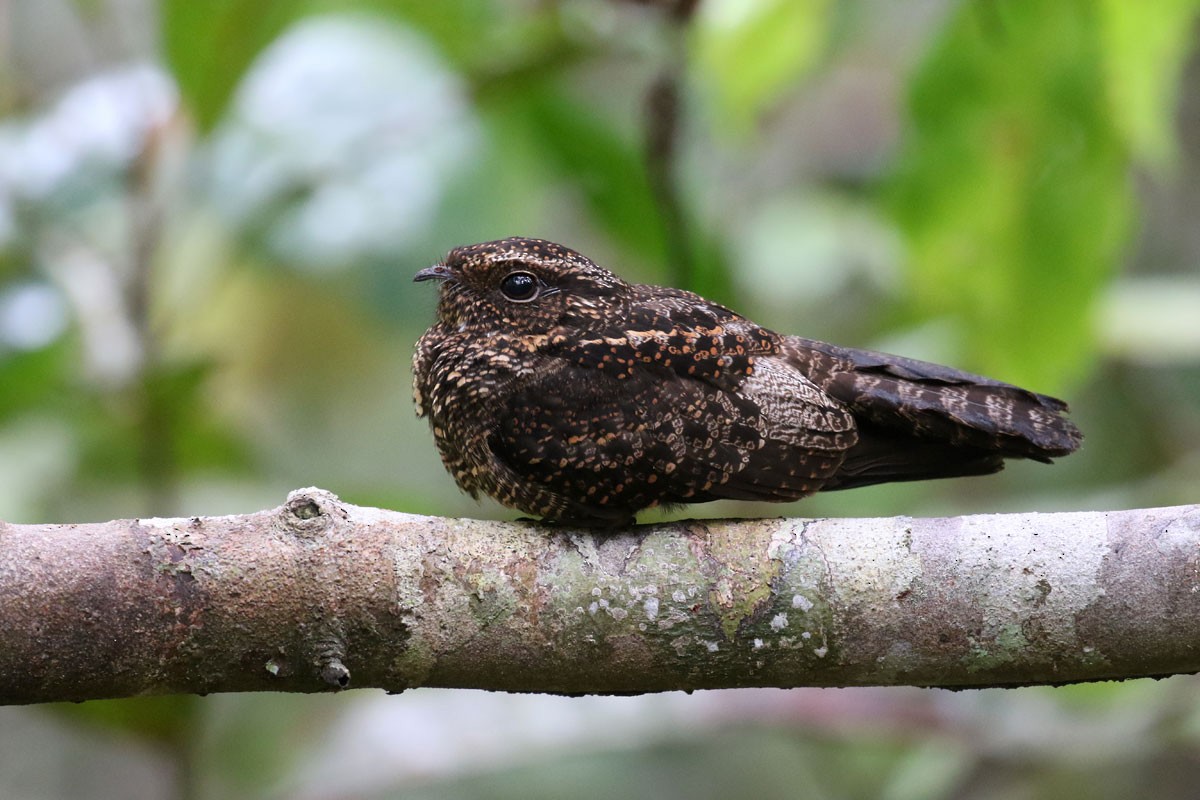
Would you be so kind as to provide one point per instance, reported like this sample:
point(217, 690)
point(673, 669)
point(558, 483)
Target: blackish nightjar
point(563, 391)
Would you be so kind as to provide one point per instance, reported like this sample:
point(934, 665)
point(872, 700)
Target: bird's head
point(524, 286)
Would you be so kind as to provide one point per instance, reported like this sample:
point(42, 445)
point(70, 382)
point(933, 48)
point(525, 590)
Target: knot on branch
point(335, 673)
point(330, 652)
point(311, 511)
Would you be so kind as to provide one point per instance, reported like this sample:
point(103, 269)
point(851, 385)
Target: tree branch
point(318, 594)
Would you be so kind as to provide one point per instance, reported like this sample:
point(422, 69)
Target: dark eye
point(520, 287)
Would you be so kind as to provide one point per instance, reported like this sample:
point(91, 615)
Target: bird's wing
point(653, 438)
point(662, 412)
point(918, 399)
point(680, 332)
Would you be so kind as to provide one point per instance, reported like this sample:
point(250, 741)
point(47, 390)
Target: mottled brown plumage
point(563, 391)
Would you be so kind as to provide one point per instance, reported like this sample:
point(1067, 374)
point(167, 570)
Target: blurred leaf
point(209, 45)
point(1013, 186)
point(710, 266)
point(1145, 45)
point(169, 720)
point(33, 379)
point(200, 440)
point(581, 146)
point(929, 770)
point(583, 150)
point(171, 408)
point(455, 26)
point(753, 52)
point(734, 761)
point(253, 743)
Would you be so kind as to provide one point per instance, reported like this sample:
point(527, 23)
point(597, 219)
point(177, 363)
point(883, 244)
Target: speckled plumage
point(593, 398)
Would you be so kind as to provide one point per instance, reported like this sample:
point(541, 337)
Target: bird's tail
point(919, 420)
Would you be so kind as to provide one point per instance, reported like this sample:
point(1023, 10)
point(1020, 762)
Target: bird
point(561, 390)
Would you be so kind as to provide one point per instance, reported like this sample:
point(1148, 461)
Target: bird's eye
point(520, 287)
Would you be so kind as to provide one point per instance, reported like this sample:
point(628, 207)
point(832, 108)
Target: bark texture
point(321, 595)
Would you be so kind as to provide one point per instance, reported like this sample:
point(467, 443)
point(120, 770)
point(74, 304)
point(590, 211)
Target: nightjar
point(561, 390)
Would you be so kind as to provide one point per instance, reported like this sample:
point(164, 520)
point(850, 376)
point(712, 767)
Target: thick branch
point(318, 594)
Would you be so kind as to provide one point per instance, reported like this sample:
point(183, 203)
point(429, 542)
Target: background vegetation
point(210, 213)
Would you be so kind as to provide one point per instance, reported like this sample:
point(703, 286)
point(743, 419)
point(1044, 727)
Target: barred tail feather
point(919, 420)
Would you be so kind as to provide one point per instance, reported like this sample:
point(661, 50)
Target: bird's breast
point(463, 375)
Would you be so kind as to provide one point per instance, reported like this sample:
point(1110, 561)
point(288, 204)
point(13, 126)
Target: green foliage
point(745, 761)
point(573, 141)
point(161, 429)
point(169, 721)
point(455, 26)
point(753, 52)
point(1144, 46)
point(1014, 186)
point(209, 45)
point(34, 379)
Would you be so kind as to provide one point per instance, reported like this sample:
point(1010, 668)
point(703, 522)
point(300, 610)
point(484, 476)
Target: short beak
point(438, 272)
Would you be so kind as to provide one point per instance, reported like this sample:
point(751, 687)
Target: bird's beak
point(438, 272)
